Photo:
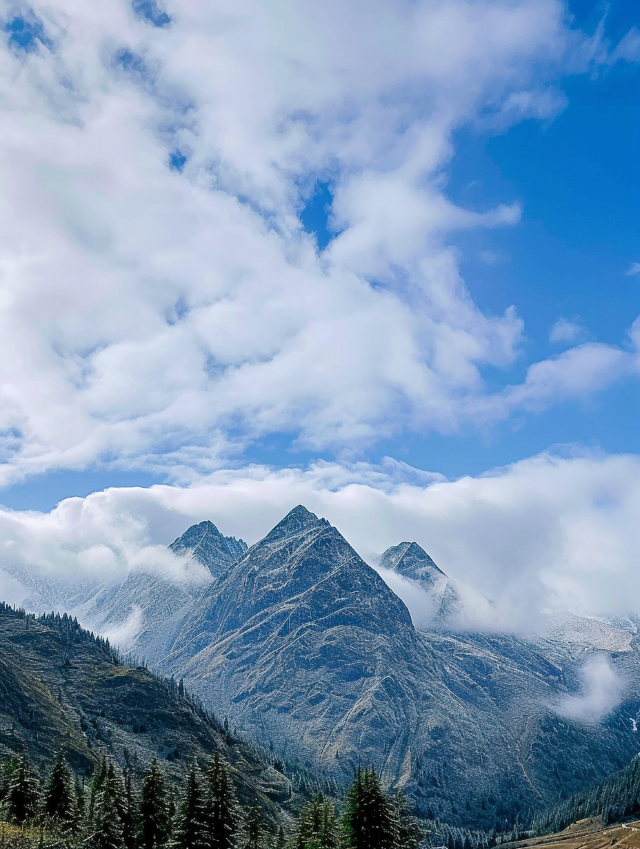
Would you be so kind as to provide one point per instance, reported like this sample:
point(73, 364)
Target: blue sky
point(369, 256)
point(535, 206)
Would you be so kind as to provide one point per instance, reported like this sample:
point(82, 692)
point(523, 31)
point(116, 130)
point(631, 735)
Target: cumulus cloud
point(565, 331)
point(601, 691)
point(161, 303)
point(544, 534)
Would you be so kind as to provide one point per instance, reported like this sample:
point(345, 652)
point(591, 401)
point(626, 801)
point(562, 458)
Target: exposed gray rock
point(208, 546)
point(147, 610)
point(412, 562)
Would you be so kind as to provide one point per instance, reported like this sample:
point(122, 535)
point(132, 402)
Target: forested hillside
point(62, 688)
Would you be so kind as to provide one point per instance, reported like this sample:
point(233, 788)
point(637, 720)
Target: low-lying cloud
point(544, 534)
point(601, 691)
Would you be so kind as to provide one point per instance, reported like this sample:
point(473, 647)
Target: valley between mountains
point(305, 651)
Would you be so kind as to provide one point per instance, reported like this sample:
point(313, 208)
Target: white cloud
point(159, 319)
point(634, 268)
point(574, 374)
point(601, 692)
point(565, 331)
point(544, 534)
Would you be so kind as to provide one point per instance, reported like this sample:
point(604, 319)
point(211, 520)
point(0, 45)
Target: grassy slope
point(589, 834)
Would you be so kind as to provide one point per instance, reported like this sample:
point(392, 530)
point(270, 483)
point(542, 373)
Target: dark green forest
point(116, 810)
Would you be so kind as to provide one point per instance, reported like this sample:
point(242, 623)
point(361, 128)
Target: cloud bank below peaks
point(545, 534)
point(162, 304)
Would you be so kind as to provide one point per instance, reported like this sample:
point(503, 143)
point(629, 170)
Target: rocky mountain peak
point(412, 561)
point(208, 546)
point(298, 520)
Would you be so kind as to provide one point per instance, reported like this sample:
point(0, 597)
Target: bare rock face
point(412, 562)
point(299, 641)
point(208, 546)
point(146, 611)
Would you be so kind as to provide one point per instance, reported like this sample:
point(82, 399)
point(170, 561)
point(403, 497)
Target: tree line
point(115, 810)
point(613, 799)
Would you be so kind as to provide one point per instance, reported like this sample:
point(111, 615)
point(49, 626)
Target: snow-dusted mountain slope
point(208, 546)
point(146, 610)
point(440, 601)
point(306, 649)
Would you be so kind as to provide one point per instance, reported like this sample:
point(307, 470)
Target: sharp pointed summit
point(412, 561)
point(300, 616)
point(296, 521)
point(208, 546)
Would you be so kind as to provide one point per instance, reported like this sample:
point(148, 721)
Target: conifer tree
point(253, 830)
point(58, 801)
point(223, 811)
point(408, 833)
point(80, 807)
point(155, 822)
point(107, 830)
point(191, 827)
point(22, 794)
point(130, 816)
point(316, 827)
point(97, 782)
point(368, 821)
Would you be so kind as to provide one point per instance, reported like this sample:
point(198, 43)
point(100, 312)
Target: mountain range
point(306, 650)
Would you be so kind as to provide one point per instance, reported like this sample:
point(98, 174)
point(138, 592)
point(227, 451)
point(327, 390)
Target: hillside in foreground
point(62, 688)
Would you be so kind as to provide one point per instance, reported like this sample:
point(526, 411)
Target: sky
point(364, 253)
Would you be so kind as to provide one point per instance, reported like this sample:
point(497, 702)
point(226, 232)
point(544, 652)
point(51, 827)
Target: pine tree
point(191, 829)
point(80, 806)
point(253, 830)
point(22, 794)
point(97, 783)
point(155, 822)
point(316, 827)
point(223, 811)
point(408, 832)
point(368, 821)
point(107, 830)
point(130, 816)
point(58, 801)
